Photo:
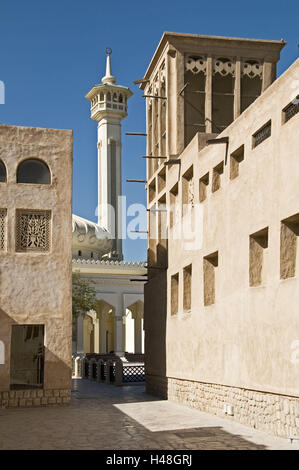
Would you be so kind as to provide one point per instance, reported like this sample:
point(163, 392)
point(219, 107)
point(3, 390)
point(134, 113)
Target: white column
point(138, 333)
point(103, 330)
point(124, 333)
point(118, 340)
point(119, 335)
point(80, 333)
point(78, 366)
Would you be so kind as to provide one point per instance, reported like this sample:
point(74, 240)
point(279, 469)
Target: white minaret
point(108, 107)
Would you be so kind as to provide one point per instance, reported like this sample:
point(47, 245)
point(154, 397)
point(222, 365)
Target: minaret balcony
point(107, 98)
point(98, 109)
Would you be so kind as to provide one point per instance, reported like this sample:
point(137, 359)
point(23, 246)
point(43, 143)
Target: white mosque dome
point(89, 238)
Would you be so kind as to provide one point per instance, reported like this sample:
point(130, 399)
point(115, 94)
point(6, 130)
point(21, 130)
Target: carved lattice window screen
point(291, 110)
point(2, 228)
point(224, 66)
point(33, 230)
point(262, 134)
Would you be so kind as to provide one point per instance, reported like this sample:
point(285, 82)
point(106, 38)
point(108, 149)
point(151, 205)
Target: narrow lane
point(106, 417)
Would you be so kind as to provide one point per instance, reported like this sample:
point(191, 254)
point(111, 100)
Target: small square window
point(289, 233)
point(187, 288)
point(291, 109)
point(210, 263)
point(261, 135)
point(217, 172)
point(203, 185)
point(174, 212)
point(258, 242)
point(162, 179)
point(174, 294)
point(235, 159)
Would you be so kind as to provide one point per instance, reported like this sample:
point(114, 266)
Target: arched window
point(120, 99)
point(101, 96)
point(33, 171)
point(2, 172)
point(115, 97)
point(109, 96)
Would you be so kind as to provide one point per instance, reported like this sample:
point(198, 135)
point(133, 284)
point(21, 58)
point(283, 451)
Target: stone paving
point(106, 417)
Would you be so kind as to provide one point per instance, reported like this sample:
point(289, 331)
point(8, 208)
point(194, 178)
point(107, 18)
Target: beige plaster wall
point(35, 288)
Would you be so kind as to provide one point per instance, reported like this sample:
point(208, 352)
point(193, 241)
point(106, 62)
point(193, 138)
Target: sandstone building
point(41, 244)
point(221, 303)
point(35, 265)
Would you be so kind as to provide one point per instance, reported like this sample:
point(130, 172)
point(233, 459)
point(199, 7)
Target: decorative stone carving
point(224, 66)
point(33, 230)
point(195, 64)
point(2, 228)
point(156, 85)
point(252, 68)
point(92, 239)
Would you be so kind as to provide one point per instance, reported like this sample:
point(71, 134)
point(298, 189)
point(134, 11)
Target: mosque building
point(117, 322)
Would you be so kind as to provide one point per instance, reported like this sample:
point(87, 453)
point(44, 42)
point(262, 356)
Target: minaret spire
point(108, 106)
point(108, 77)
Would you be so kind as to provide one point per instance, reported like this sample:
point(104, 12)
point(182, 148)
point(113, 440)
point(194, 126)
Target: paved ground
point(103, 416)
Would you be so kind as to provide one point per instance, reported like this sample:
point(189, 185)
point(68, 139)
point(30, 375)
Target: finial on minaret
point(108, 107)
point(108, 77)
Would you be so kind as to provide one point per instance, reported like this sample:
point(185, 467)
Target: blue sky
point(52, 53)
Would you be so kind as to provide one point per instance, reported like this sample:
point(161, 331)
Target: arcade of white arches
point(97, 329)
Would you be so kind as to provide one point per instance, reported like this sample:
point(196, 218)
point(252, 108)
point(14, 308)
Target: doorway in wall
point(27, 357)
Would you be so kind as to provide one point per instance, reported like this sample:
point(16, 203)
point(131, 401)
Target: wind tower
point(108, 106)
